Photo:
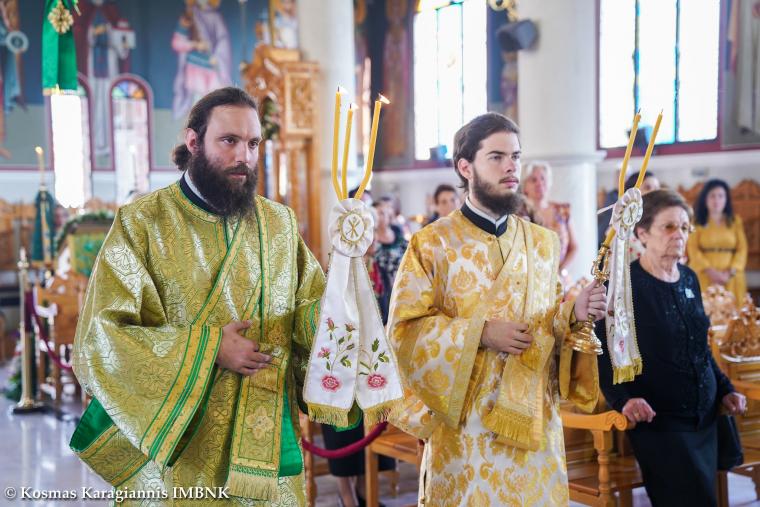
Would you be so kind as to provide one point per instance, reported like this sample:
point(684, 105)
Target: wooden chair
point(600, 470)
point(394, 443)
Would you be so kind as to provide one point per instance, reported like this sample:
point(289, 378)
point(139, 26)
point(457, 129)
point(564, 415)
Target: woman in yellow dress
point(718, 248)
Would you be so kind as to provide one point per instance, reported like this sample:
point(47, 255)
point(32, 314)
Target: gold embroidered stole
point(517, 416)
point(256, 438)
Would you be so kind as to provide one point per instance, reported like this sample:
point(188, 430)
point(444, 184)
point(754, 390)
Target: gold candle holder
point(584, 340)
point(26, 404)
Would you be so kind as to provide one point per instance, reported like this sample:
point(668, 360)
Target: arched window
point(659, 54)
point(71, 145)
point(130, 119)
point(449, 70)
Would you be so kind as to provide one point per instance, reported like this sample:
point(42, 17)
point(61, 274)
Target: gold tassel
point(627, 373)
point(378, 413)
point(328, 415)
point(245, 484)
point(513, 428)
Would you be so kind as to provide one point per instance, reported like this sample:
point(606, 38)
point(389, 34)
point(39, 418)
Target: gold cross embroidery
point(353, 222)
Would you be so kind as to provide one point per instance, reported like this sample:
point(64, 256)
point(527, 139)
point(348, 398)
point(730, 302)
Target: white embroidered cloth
point(350, 359)
point(620, 326)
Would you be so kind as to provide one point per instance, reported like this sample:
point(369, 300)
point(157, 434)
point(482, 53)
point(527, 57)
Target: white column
point(326, 36)
point(557, 111)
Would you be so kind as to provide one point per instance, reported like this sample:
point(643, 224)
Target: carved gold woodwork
point(288, 164)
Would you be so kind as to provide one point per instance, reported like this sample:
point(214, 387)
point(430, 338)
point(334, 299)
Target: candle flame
point(383, 99)
point(342, 90)
point(353, 106)
point(38, 150)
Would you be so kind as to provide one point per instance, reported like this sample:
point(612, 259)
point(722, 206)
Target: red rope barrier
point(347, 450)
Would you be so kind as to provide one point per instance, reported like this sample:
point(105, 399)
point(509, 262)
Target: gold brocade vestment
point(491, 421)
point(168, 278)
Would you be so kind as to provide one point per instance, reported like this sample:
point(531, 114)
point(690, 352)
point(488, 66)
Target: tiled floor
point(35, 454)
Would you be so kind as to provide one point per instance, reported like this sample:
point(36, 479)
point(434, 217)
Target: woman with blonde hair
point(553, 215)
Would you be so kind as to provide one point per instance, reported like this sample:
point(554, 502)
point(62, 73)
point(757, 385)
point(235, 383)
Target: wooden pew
point(16, 224)
point(720, 305)
point(736, 348)
point(60, 302)
point(601, 471)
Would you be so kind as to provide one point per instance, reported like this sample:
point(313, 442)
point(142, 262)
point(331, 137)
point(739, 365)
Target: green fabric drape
point(59, 59)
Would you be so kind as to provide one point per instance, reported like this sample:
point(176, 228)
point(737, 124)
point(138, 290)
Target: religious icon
point(204, 53)
point(13, 43)
point(104, 41)
point(285, 24)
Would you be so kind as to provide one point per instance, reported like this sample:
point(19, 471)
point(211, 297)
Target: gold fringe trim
point(378, 413)
point(247, 485)
point(622, 374)
point(512, 428)
point(326, 414)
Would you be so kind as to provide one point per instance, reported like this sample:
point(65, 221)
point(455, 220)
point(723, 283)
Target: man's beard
point(490, 198)
point(225, 196)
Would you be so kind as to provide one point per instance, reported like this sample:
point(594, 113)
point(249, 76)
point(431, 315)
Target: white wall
point(22, 186)
point(412, 187)
point(687, 170)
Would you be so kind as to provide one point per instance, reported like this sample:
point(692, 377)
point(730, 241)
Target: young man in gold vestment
point(478, 326)
point(196, 330)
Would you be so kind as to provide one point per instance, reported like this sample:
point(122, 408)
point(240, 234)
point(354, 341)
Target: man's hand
point(503, 336)
point(638, 410)
point(238, 353)
point(592, 301)
point(736, 403)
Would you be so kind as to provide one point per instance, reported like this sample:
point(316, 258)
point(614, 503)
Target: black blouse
point(680, 379)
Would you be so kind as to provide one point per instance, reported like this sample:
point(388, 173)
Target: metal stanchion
point(26, 404)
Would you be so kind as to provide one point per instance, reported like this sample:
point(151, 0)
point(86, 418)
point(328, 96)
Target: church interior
point(96, 93)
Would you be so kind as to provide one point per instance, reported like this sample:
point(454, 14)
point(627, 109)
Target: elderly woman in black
point(676, 399)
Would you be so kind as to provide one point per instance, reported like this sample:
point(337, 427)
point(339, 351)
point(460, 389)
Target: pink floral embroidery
point(330, 383)
point(376, 381)
point(343, 345)
point(621, 344)
point(369, 363)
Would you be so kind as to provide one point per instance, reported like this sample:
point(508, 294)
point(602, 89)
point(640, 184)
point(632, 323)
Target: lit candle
point(41, 163)
point(627, 157)
point(336, 135)
point(43, 206)
point(648, 154)
point(372, 141)
point(346, 144)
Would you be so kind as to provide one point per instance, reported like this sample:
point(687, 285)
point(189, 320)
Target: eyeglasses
point(671, 227)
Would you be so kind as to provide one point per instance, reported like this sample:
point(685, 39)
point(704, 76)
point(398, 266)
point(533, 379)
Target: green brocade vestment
point(168, 278)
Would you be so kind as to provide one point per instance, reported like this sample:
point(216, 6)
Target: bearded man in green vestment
point(196, 330)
